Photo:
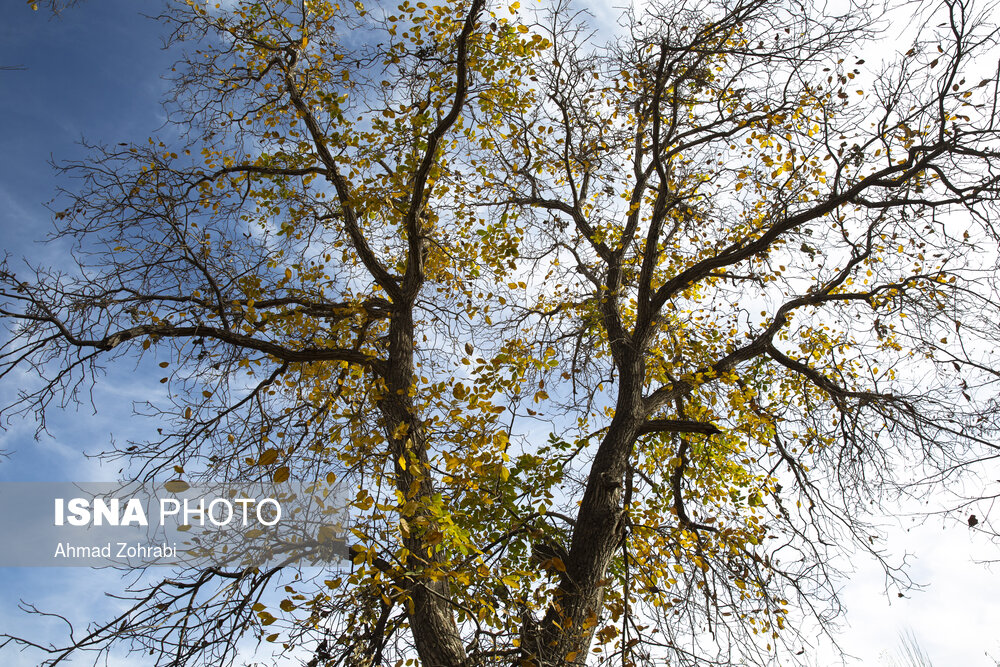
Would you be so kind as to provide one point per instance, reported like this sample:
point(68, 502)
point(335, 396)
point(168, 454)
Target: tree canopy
point(614, 338)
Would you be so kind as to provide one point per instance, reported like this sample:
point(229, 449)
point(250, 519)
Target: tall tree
point(761, 259)
point(612, 343)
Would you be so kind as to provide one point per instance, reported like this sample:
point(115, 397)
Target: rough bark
point(435, 632)
point(567, 630)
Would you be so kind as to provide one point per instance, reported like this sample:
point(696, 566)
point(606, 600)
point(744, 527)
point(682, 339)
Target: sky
point(94, 73)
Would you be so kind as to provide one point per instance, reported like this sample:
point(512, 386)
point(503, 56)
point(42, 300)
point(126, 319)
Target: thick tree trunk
point(435, 632)
point(567, 630)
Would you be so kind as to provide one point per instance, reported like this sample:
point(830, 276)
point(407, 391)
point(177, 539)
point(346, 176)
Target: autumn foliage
point(611, 337)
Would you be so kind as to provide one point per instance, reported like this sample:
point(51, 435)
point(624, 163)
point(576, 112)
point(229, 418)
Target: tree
point(504, 281)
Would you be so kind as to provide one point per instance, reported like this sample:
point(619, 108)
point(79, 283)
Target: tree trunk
point(568, 627)
point(435, 632)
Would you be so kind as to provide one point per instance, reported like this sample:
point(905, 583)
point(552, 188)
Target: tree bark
point(436, 635)
point(568, 628)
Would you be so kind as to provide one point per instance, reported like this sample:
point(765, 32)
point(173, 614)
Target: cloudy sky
point(94, 74)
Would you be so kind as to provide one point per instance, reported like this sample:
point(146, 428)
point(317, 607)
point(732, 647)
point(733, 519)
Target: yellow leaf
point(176, 486)
point(281, 474)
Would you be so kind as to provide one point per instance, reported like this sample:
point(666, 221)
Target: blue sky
point(94, 73)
